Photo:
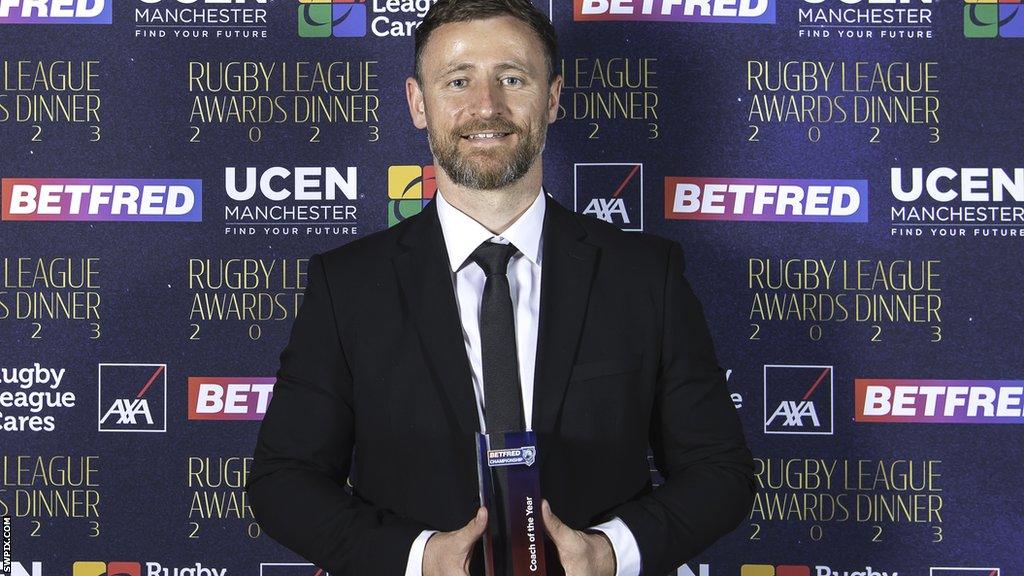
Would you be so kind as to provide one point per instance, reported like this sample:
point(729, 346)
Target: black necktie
point(503, 401)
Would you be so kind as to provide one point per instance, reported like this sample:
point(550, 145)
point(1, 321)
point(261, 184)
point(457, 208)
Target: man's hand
point(448, 553)
point(581, 554)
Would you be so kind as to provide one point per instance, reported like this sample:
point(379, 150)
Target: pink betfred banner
point(101, 199)
point(229, 398)
point(940, 401)
point(56, 11)
point(766, 199)
point(723, 11)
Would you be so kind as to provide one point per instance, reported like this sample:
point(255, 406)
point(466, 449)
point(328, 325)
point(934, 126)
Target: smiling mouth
point(484, 136)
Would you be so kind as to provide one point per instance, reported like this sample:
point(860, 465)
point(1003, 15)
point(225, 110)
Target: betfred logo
point(988, 19)
point(102, 199)
point(733, 11)
point(228, 398)
point(332, 18)
point(797, 399)
point(613, 192)
point(410, 188)
point(940, 401)
point(775, 200)
point(85, 568)
point(132, 397)
point(55, 11)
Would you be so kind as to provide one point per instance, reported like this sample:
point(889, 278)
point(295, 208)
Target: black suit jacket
point(376, 363)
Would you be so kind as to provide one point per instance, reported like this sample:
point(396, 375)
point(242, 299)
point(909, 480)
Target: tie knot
point(493, 257)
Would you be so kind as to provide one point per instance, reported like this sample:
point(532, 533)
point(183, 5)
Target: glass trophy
point(509, 476)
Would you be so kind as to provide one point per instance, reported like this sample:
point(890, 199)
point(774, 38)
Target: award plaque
point(510, 490)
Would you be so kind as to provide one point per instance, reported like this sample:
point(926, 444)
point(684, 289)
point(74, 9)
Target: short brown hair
point(447, 11)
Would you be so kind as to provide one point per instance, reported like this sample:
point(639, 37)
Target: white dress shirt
point(462, 235)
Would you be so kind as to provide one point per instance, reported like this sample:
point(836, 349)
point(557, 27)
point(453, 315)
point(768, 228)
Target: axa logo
point(332, 18)
point(793, 413)
point(798, 399)
point(410, 188)
point(132, 397)
point(613, 192)
point(988, 19)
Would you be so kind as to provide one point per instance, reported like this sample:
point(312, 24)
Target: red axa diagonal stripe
point(159, 369)
point(626, 181)
point(816, 383)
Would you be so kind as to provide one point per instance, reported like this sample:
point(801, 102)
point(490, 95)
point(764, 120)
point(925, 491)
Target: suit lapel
point(425, 277)
point(568, 268)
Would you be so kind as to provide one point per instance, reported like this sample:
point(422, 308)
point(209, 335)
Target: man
point(393, 351)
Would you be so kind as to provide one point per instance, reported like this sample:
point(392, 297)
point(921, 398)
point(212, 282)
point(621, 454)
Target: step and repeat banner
point(845, 177)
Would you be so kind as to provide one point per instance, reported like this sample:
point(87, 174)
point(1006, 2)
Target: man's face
point(484, 99)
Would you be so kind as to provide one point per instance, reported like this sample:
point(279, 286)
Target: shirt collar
point(463, 234)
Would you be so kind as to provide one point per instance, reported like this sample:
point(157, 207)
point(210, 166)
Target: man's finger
point(552, 524)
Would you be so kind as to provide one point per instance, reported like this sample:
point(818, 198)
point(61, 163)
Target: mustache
point(500, 125)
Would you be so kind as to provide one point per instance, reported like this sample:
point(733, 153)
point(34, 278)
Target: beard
point(486, 169)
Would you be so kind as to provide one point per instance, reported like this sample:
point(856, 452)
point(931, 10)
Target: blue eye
point(514, 79)
point(453, 82)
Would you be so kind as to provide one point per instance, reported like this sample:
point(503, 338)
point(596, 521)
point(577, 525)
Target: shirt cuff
point(414, 567)
point(627, 552)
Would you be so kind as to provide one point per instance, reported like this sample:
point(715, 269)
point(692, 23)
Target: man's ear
point(554, 93)
point(414, 96)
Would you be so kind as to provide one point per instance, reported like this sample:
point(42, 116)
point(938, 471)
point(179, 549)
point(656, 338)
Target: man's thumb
point(552, 524)
point(471, 532)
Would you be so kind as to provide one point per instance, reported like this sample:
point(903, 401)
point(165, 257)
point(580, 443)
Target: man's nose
point(488, 100)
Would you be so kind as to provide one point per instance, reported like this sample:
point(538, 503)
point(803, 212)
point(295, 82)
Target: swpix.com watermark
point(5, 559)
